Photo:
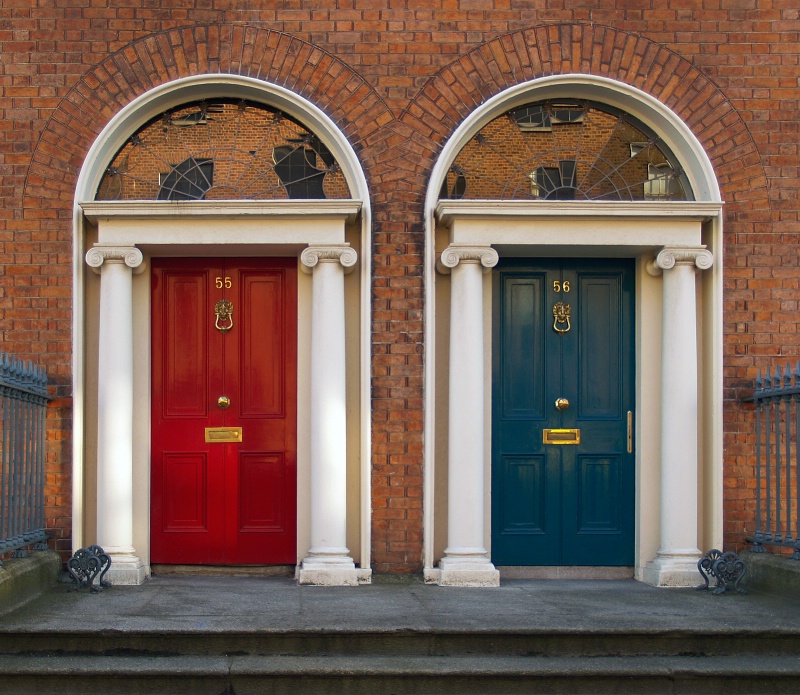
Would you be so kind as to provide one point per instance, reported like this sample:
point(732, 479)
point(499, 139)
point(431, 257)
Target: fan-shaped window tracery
point(566, 150)
point(223, 149)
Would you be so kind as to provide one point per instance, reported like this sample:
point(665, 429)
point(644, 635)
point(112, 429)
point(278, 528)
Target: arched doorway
point(244, 211)
point(555, 435)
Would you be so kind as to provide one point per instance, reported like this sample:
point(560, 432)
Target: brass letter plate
point(561, 436)
point(223, 435)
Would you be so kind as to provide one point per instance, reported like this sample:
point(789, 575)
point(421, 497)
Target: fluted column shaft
point(328, 560)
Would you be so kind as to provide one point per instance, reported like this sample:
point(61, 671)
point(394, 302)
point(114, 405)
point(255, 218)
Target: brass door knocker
point(224, 312)
point(561, 312)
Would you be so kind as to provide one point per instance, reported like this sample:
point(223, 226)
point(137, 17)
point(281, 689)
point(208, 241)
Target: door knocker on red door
point(561, 311)
point(224, 312)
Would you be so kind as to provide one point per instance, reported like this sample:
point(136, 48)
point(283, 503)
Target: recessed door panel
point(522, 391)
point(185, 498)
point(262, 363)
point(185, 350)
point(562, 477)
point(599, 334)
point(224, 461)
point(525, 489)
point(261, 503)
point(599, 494)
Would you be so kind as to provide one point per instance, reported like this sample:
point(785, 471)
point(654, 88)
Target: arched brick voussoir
point(275, 57)
point(559, 49)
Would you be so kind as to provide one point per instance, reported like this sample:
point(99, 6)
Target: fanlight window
point(566, 150)
point(223, 150)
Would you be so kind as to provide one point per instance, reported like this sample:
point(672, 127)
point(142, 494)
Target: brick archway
point(462, 88)
point(229, 49)
point(397, 151)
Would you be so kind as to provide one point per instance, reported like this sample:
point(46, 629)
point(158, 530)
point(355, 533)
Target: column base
point(673, 571)
point(126, 570)
point(465, 571)
point(330, 570)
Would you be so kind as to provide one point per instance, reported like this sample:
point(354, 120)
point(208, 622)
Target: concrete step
point(695, 642)
point(299, 675)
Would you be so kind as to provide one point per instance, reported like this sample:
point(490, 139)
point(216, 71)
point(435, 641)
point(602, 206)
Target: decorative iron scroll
point(726, 568)
point(87, 565)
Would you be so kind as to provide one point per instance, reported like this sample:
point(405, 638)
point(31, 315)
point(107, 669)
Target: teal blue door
point(562, 399)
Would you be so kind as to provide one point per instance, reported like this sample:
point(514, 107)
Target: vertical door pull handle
point(630, 432)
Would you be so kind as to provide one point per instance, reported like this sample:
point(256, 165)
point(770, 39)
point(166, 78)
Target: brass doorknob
point(562, 404)
point(223, 402)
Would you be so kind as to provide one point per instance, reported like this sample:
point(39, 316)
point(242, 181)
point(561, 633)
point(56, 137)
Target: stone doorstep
point(25, 578)
point(772, 574)
point(631, 674)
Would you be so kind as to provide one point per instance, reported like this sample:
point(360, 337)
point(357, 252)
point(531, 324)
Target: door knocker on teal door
point(561, 312)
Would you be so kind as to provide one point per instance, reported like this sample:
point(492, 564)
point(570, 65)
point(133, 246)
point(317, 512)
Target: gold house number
point(223, 282)
point(561, 286)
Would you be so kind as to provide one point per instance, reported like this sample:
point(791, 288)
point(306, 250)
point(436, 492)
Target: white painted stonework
point(466, 561)
point(229, 228)
point(115, 411)
point(676, 563)
point(123, 477)
point(328, 560)
point(669, 532)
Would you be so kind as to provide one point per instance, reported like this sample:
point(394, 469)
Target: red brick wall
point(398, 80)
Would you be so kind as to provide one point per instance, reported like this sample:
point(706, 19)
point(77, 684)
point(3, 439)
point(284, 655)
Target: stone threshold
point(565, 572)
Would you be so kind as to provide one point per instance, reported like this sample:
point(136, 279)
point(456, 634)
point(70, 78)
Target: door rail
point(23, 410)
point(777, 405)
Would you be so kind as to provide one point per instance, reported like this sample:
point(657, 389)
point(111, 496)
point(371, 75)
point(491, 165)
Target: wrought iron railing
point(23, 409)
point(777, 401)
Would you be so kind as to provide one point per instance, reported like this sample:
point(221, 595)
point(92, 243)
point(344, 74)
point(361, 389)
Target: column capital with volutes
point(342, 254)
point(486, 256)
point(669, 257)
point(129, 255)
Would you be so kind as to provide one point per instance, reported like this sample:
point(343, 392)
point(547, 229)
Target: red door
point(223, 459)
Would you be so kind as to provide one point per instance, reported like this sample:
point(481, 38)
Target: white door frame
point(246, 224)
point(640, 230)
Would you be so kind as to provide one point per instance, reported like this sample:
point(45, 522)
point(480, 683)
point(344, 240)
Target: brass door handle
point(630, 432)
point(562, 404)
point(223, 402)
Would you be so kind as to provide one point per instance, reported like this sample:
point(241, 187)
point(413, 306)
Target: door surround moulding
point(538, 228)
point(112, 138)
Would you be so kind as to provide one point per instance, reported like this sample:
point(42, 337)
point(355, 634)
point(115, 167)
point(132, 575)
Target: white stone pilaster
point(328, 560)
point(115, 410)
point(676, 561)
point(466, 561)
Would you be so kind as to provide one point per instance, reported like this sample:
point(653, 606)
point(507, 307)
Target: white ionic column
point(466, 561)
point(115, 410)
point(676, 562)
point(328, 561)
